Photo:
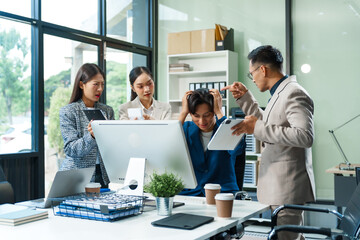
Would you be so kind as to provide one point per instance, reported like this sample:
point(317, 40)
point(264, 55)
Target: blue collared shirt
point(276, 85)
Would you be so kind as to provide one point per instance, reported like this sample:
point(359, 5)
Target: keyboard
point(190, 200)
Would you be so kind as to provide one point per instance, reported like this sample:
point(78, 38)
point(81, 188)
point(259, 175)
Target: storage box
point(202, 40)
point(179, 43)
point(227, 43)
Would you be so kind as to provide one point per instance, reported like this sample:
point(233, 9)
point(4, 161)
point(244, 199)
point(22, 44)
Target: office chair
point(6, 190)
point(349, 226)
point(357, 173)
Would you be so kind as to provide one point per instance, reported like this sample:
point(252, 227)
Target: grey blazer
point(80, 148)
point(286, 127)
point(162, 111)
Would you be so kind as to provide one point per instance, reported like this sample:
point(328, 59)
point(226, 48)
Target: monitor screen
point(162, 143)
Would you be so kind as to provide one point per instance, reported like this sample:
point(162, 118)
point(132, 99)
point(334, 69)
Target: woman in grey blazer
point(142, 92)
point(79, 142)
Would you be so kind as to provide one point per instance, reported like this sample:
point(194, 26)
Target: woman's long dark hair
point(85, 73)
point(134, 74)
point(200, 96)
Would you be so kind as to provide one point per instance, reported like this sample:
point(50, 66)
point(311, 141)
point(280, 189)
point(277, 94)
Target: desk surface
point(135, 227)
point(336, 170)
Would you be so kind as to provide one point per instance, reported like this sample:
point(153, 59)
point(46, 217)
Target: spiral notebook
point(183, 221)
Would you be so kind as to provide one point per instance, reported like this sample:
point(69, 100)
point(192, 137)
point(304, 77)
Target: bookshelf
point(206, 69)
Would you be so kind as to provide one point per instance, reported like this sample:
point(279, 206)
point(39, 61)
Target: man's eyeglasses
point(250, 73)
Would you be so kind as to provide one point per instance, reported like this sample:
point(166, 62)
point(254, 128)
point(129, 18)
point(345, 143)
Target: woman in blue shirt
point(210, 166)
point(79, 142)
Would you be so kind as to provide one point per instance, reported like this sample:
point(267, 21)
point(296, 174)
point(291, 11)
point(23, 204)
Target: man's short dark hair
point(200, 96)
point(267, 55)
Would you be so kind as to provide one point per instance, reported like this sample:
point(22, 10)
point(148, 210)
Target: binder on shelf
point(197, 86)
point(227, 43)
point(203, 85)
point(221, 85)
point(210, 85)
point(217, 86)
point(191, 86)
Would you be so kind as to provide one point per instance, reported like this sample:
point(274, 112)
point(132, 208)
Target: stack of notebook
point(13, 215)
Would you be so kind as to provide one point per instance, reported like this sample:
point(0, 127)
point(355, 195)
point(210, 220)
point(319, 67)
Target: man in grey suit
point(286, 130)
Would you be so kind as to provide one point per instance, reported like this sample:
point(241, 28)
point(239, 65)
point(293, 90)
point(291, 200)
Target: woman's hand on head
point(90, 129)
point(217, 103)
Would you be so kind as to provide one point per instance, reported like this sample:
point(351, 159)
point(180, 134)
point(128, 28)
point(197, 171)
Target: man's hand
point(246, 126)
point(237, 89)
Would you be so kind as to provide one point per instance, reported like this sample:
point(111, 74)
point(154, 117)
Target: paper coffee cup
point(211, 189)
point(92, 189)
point(224, 204)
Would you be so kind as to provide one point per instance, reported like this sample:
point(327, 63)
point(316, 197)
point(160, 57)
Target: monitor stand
point(134, 179)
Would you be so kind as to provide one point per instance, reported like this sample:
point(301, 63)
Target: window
point(118, 67)
point(48, 53)
point(15, 87)
point(13, 7)
point(79, 14)
point(128, 21)
point(62, 59)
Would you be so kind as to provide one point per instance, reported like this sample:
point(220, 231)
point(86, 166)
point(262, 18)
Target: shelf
point(180, 101)
point(200, 55)
point(198, 73)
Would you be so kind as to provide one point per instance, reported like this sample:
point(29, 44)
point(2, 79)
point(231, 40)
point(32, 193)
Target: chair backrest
point(350, 223)
point(357, 173)
point(2, 175)
point(6, 190)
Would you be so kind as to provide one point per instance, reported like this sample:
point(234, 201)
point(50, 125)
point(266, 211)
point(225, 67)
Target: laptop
point(66, 183)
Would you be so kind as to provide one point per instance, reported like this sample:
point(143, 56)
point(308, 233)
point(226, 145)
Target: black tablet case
point(94, 114)
point(183, 221)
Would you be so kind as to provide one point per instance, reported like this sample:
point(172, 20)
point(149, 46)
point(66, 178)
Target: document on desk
point(11, 214)
point(183, 221)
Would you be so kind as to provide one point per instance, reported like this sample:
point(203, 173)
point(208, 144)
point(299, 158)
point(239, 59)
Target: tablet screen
point(94, 114)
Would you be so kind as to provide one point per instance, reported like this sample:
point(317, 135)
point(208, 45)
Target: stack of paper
point(11, 214)
point(179, 67)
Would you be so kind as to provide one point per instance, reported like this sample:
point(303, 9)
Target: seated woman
point(79, 142)
point(142, 92)
point(210, 166)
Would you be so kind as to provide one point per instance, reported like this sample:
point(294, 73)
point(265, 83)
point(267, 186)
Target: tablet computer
point(183, 221)
point(223, 138)
point(94, 114)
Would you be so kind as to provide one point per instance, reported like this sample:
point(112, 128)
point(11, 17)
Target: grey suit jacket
point(162, 111)
point(286, 127)
point(80, 148)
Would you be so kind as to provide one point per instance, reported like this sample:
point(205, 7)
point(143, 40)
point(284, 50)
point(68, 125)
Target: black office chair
point(357, 173)
point(6, 190)
point(349, 226)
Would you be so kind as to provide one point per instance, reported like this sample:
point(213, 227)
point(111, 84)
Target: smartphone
point(135, 113)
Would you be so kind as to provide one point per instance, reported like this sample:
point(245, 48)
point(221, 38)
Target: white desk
point(135, 227)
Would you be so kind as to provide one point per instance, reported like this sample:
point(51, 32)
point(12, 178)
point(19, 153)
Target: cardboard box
point(203, 40)
point(179, 43)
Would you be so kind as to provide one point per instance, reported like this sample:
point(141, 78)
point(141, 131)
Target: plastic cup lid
point(212, 186)
point(224, 196)
point(93, 185)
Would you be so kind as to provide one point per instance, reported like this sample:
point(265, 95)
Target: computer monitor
point(162, 143)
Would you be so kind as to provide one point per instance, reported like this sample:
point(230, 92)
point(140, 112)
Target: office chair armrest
point(299, 229)
point(302, 207)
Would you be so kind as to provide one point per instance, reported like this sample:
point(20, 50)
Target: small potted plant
point(164, 187)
